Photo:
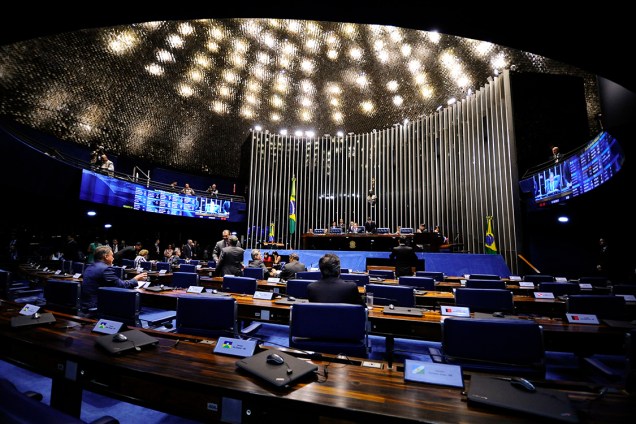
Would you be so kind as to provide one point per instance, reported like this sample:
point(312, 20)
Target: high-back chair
point(387, 274)
point(62, 296)
point(308, 275)
point(188, 268)
point(184, 279)
point(485, 300)
point(483, 277)
point(207, 316)
point(77, 268)
point(194, 262)
point(146, 266)
point(604, 306)
point(485, 284)
point(66, 266)
point(420, 283)
point(538, 278)
point(298, 288)
point(559, 289)
point(359, 279)
point(119, 271)
point(241, 285)
point(254, 272)
point(437, 276)
point(119, 304)
point(595, 281)
point(128, 263)
point(163, 266)
point(337, 328)
point(510, 347)
point(391, 295)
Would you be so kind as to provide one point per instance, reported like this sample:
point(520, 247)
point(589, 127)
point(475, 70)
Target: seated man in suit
point(404, 257)
point(257, 262)
point(292, 267)
point(101, 274)
point(231, 259)
point(370, 226)
point(331, 288)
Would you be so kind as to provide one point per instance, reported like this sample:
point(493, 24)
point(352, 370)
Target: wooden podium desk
point(189, 380)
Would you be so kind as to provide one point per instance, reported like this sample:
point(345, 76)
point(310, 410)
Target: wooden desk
point(188, 380)
point(352, 241)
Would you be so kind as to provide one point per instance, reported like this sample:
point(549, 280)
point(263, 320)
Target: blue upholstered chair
point(538, 278)
point(194, 262)
point(483, 277)
point(387, 274)
point(26, 407)
point(119, 304)
point(420, 283)
point(184, 279)
point(308, 275)
point(62, 296)
point(336, 328)
point(256, 272)
point(594, 281)
point(128, 263)
point(511, 347)
point(66, 266)
point(485, 300)
point(207, 316)
point(146, 266)
point(298, 288)
point(601, 305)
point(119, 271)
point(396, 295)
point(359, 279)
point(241, 285)
point(485, 284)
point(624, 289)
point(559, 289)
point(163, 266)
point(77, 268)
point(188, 268)
point(437, 276)
point(181, 261)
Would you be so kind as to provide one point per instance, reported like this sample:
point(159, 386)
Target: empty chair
point(359, 279)
point(601, 305)
point(62, 296)
point(119, 271)
point(485, 300)
point(538, 278)
point(146, 266)
point(254, 272)
point(336, 328)
point(437, 276)
point(387, 274)
point(308, 275)
point(187, 268)
point(559, 289)
point(420, 283)
point(185, 279)
point(78, 267)
point(298, 288)
point(128, 263)
point(484, 277)
point(495, 346)
point(181, 261)
point(624, 289)
point(161, 266)
point(391, 295)
point(594, 281)
point(207, 316)
point(485, 284)
point(26, 407)
point(67, 266)
point(241, 285)
point(194, 262)
point(119, 304)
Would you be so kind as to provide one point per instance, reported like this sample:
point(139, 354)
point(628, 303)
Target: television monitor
point(584, 170)
point(101, 188)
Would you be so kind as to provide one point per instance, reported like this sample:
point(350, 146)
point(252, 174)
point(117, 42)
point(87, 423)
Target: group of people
point(99, 161)
point(212, 190)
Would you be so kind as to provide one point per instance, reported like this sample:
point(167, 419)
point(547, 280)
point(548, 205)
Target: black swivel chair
point(62, 296)
point(337, 328)
point(391, 295)
point(485, 284)
point(119, 304)
point(207, 316)
point(559, 289)
point(603, 306)
point(538, 278)
point(485, 300)
point(420, 283)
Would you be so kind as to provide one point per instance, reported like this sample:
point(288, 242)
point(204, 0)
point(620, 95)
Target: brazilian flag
point(271, 233)
point(292, 207)
point(491, 247)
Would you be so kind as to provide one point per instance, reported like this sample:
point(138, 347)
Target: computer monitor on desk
point(406, 230)
point(383, 230)
point(335, 230)
point(319, 231)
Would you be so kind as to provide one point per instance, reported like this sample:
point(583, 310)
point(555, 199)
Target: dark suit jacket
point(186, 251)
point(257, 263)
point(370, 227)
point(230, 261)
point(290, 269)
point(100, 275)
point(218, 247)
point(334, 290)
point(404, 258)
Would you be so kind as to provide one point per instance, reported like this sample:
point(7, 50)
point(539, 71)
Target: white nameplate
point(462, 282)
point(195, 289)
point(515, 278)
point(199, 266)
point(124, 266)
point(526, 284)
point(582, 318)
point(107, 326)
point(29, 309)
point(467, 276)
point(543, 295)
point(273, 280)
point(455, 311)
point(46, 268)
point(143, 284)
point(585, 286)
point(162, 271)
point(78, 275)
point(58, 272)
point(628, 297)
point(263, 295)
point(561, 280)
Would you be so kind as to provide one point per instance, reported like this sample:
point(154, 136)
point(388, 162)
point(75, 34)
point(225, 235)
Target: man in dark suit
point(370, 226)
point(231, 259)
point(186, 249)
point(404, 257)
point(331, 288)
point(216, 253)
point(128, 252)
point(292, 267)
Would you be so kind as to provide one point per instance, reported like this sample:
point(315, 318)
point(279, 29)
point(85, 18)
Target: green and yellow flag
point(491, 247)
point(292, 207)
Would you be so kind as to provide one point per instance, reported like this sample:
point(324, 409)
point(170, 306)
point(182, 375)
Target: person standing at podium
point(404, 257)
point(370, 226)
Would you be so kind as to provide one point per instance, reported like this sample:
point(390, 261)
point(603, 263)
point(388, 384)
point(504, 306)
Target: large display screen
point(101, 188)
point(588, 168)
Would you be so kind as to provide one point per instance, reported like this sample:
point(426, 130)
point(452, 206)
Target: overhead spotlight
point(91, 213)
point(340, 133)
point(283, 132)
point(496, 72)
point(406, 121)
point(438, 108)
point(563, 219)
point(258, 128)
point(451, 101)
point(107, 226)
